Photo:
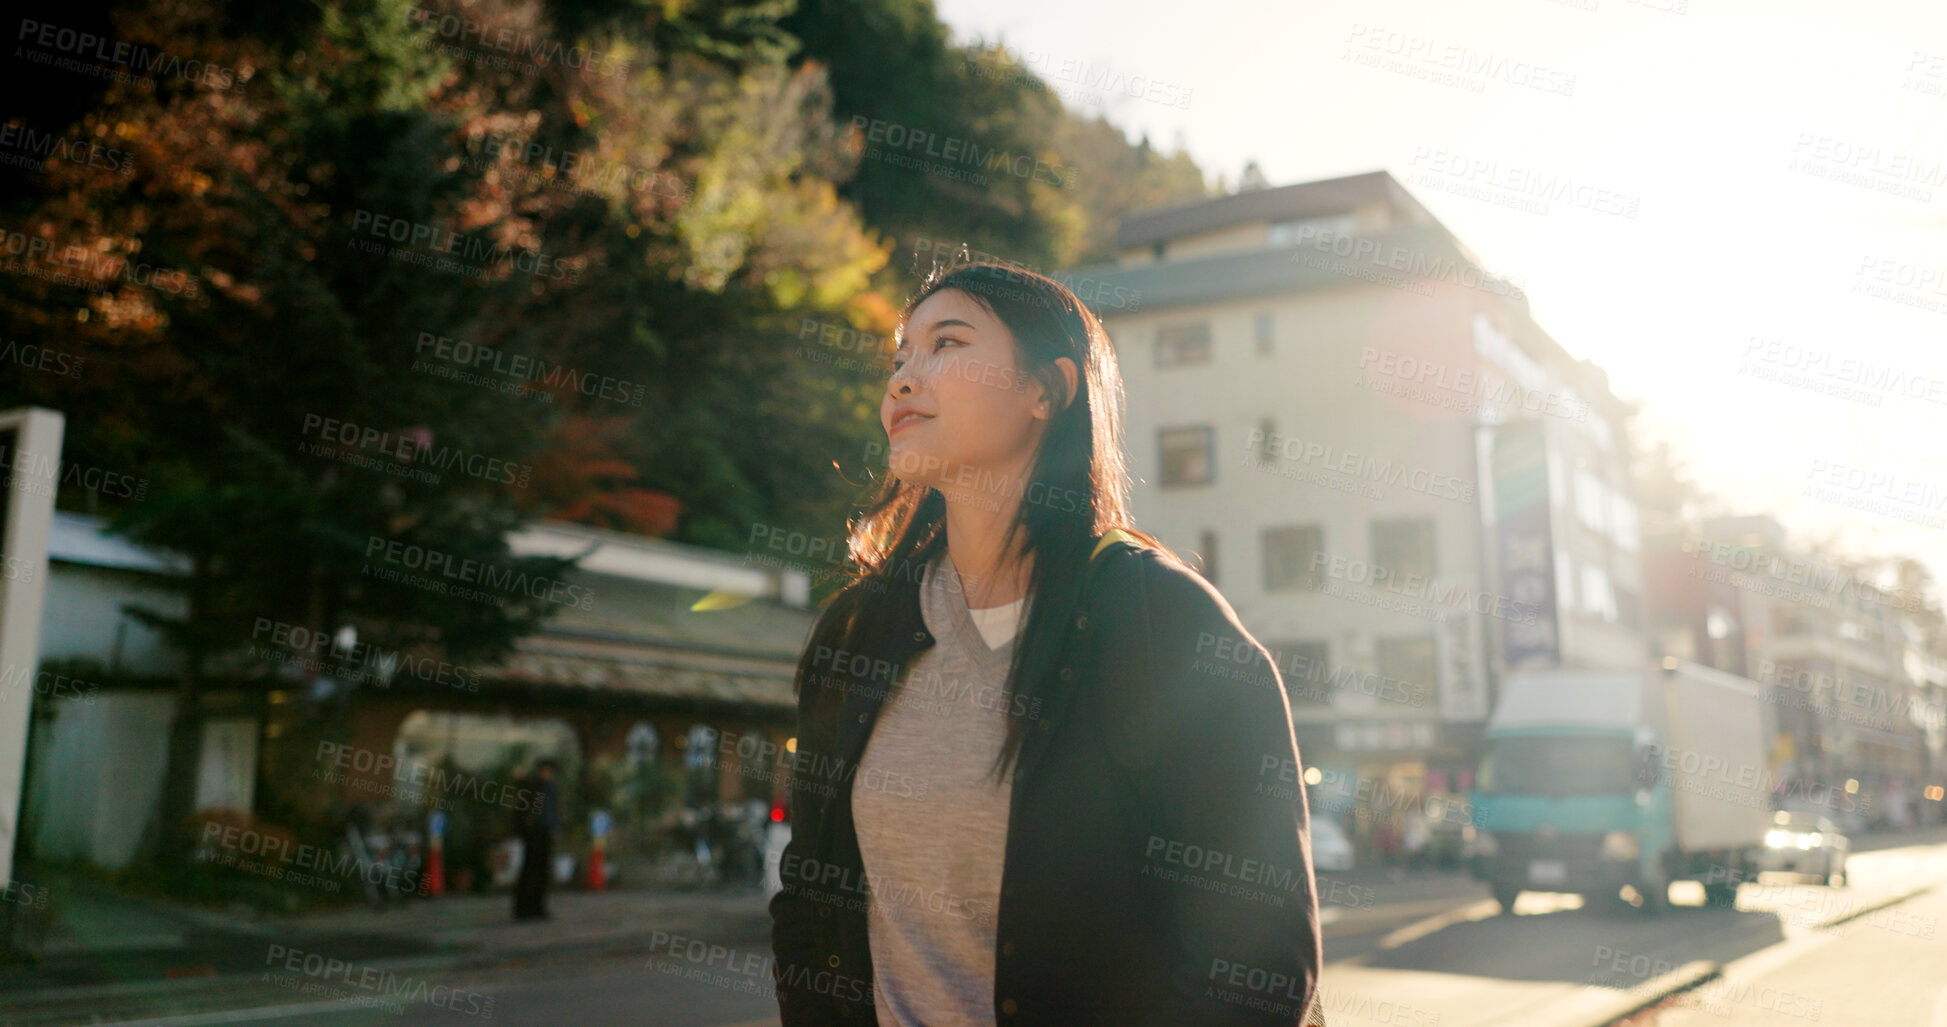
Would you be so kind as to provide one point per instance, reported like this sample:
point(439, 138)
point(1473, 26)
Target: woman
point(1038, 758)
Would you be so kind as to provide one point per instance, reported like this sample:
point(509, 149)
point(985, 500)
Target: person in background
point(537, 826)
point(1414, 838)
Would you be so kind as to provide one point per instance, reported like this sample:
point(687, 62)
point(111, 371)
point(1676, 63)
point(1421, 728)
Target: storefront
point(1372, 777)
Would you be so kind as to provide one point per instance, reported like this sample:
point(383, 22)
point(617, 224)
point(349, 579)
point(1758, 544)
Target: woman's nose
point(905, 378)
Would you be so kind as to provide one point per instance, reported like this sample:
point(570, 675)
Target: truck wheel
point(1609, 902)
point(1656, 896)
point(1721, 893)
point(1506, 896)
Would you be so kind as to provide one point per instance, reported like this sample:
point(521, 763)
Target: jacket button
point(861, 718)
point(824, 911)
point(1007, 948)
point(1068, 673)
point(1045, 725)
point(919, 636)
point(1082, 621)
point(1008, 1007)
point(831, 960)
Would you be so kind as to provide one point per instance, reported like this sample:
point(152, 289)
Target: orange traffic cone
point(436, 867)
point(597, 871)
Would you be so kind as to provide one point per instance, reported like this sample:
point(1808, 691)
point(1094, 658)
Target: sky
point(1754, 245)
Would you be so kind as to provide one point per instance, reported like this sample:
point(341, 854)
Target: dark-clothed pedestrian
point(538, 822)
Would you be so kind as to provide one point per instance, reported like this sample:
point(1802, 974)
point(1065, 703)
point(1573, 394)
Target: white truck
point(1599, 780)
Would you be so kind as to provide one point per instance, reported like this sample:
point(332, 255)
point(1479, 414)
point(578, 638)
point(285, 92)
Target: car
point(1805, 843)
point(1330, 849)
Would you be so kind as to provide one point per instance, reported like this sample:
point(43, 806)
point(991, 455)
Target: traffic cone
point(436, 867)
point(597, 872)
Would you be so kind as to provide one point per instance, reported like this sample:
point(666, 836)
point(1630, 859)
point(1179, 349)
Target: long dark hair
point(1077, 487)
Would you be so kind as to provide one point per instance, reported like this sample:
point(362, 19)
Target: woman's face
point(979, 419)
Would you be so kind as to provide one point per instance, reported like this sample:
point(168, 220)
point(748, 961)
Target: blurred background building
point(1400, 481)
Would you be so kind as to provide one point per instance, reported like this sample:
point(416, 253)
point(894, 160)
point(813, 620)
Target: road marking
point(1413, 932)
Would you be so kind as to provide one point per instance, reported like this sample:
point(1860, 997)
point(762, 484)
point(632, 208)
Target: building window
point(1591, 502)
point(1262, 333)
point(1266, 452)
point(1188, 455)
point(1623, 521)
point(1207, 548)
point(1291, 233)
point(1307, 672)
point(1180, 344)
point(1291, 558)
point(1404, 547)
point(1412, 662)
point(1597, 599)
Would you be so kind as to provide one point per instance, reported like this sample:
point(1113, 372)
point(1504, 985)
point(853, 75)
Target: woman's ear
point(1070, 378)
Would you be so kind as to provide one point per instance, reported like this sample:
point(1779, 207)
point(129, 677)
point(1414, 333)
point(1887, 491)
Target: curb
point(1696, 974)
point(1873, 907)
point(1653, 991)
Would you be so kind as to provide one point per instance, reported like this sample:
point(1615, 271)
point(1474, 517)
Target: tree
point(322, 232)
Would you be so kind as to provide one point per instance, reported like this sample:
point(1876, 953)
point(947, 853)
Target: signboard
point(1413, 735)
point(1525, 539)
point(30, 438)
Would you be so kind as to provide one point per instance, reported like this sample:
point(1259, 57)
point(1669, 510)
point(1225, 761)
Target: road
point(1430, 951)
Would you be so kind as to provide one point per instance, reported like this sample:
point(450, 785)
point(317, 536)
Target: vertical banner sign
point(1531, 634)
point(30, 439)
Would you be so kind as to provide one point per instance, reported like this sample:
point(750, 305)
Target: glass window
point(1262, 333)
point(1404, 547)
point(1291, 233)
point(1597, 599)
point(1188, 457)
point(1186, 343)
point(1622, 524)
point(1267, 451)
point(1207, 548)
point(1558, 766)
point(1591, 501)
point(1291, 558)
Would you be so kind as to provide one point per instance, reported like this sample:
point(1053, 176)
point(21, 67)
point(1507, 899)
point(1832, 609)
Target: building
point(102, 697)
point(679, 669)
point(1852, 670)
point(1401, 482)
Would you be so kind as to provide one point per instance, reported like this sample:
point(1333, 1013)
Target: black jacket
point(1158, 864)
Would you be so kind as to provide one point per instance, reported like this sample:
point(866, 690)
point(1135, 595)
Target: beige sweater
point(932, 822)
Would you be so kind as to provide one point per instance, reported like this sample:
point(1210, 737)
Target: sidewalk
point(105, 943)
